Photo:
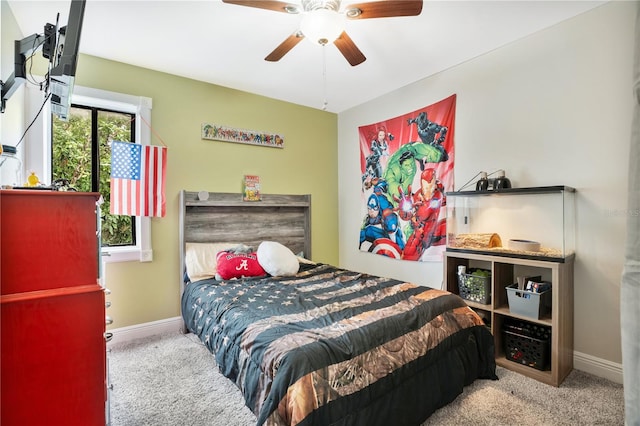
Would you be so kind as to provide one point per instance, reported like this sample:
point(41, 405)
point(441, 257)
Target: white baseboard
point(598, 367)
point(587, 363)
point(148, 329)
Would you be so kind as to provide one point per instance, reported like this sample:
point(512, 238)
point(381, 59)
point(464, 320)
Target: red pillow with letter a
point(236, 265)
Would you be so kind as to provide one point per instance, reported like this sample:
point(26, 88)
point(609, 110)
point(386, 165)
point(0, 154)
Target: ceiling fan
point(323, 21)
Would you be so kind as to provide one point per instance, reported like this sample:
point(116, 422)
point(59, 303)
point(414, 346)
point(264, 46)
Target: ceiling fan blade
point(349, 50)
point(284, 47)
point(383, 9)
point(278, 6)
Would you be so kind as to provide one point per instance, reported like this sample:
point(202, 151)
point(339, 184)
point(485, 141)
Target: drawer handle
point(108, 320)
point(107, 304)
point(108, 336)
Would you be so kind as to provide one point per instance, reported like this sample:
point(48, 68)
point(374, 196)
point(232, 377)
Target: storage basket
point(475, 288)
point(527, 344)
point(528, 303)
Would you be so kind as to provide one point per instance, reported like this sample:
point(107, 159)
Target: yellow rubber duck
point(32, 180)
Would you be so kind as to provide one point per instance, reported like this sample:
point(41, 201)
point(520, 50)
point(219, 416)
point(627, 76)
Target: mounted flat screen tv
point(62, 74)
point(61, 47)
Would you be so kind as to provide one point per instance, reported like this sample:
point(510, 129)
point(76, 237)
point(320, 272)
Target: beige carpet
point(172, 380)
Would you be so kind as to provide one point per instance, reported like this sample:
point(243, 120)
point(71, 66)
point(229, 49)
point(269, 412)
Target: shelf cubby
point(504, 272)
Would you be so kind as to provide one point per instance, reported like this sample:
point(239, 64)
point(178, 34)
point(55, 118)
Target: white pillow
point(277, 259)
point(307, 261)
point(200, 259)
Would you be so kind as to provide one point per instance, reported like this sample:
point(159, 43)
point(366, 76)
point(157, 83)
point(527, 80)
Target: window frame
point(39, 160)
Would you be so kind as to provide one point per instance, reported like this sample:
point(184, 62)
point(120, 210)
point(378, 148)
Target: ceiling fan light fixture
point(322, 26)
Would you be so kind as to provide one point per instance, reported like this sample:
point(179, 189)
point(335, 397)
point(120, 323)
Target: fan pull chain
point(324, 76)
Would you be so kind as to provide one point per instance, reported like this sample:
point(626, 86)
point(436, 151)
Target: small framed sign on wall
point(251, 137)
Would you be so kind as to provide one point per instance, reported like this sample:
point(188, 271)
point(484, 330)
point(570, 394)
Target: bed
point(320, 345)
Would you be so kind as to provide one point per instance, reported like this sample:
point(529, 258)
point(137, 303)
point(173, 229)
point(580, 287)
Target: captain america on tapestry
point(406, 166)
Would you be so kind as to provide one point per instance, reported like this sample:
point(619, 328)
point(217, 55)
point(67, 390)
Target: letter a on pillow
point(236, 265)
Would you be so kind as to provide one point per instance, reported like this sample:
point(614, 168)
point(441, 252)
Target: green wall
point(145, 292)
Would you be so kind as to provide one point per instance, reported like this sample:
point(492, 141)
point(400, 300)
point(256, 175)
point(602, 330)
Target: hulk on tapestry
point(406, 165)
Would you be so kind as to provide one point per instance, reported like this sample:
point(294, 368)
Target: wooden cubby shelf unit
point(504, 272)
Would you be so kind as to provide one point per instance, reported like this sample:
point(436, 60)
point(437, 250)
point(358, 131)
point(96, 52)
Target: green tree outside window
point(75, 144)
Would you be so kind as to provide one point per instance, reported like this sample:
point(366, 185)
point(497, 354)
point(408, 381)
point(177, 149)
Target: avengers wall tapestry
point(406, 166)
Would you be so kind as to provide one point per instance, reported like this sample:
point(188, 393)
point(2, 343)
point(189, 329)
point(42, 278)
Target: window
point(81, 155)
point(113, 108)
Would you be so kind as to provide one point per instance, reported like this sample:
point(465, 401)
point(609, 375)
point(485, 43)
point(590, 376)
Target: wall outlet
point(146, 255)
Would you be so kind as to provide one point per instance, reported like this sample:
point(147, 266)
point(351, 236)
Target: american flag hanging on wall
point(138, 179)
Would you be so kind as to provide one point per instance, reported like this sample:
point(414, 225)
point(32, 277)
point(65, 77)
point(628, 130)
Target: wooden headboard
point(224, 217)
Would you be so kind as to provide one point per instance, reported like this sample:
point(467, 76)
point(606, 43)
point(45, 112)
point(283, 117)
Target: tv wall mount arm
point(24, 49)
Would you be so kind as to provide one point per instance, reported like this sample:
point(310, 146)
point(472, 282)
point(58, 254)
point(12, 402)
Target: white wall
point(551, 109)
point(11, 121)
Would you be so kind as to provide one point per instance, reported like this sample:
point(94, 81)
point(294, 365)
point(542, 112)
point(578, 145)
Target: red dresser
point(52, 310)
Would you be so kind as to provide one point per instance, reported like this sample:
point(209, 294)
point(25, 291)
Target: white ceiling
point(226, 44)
